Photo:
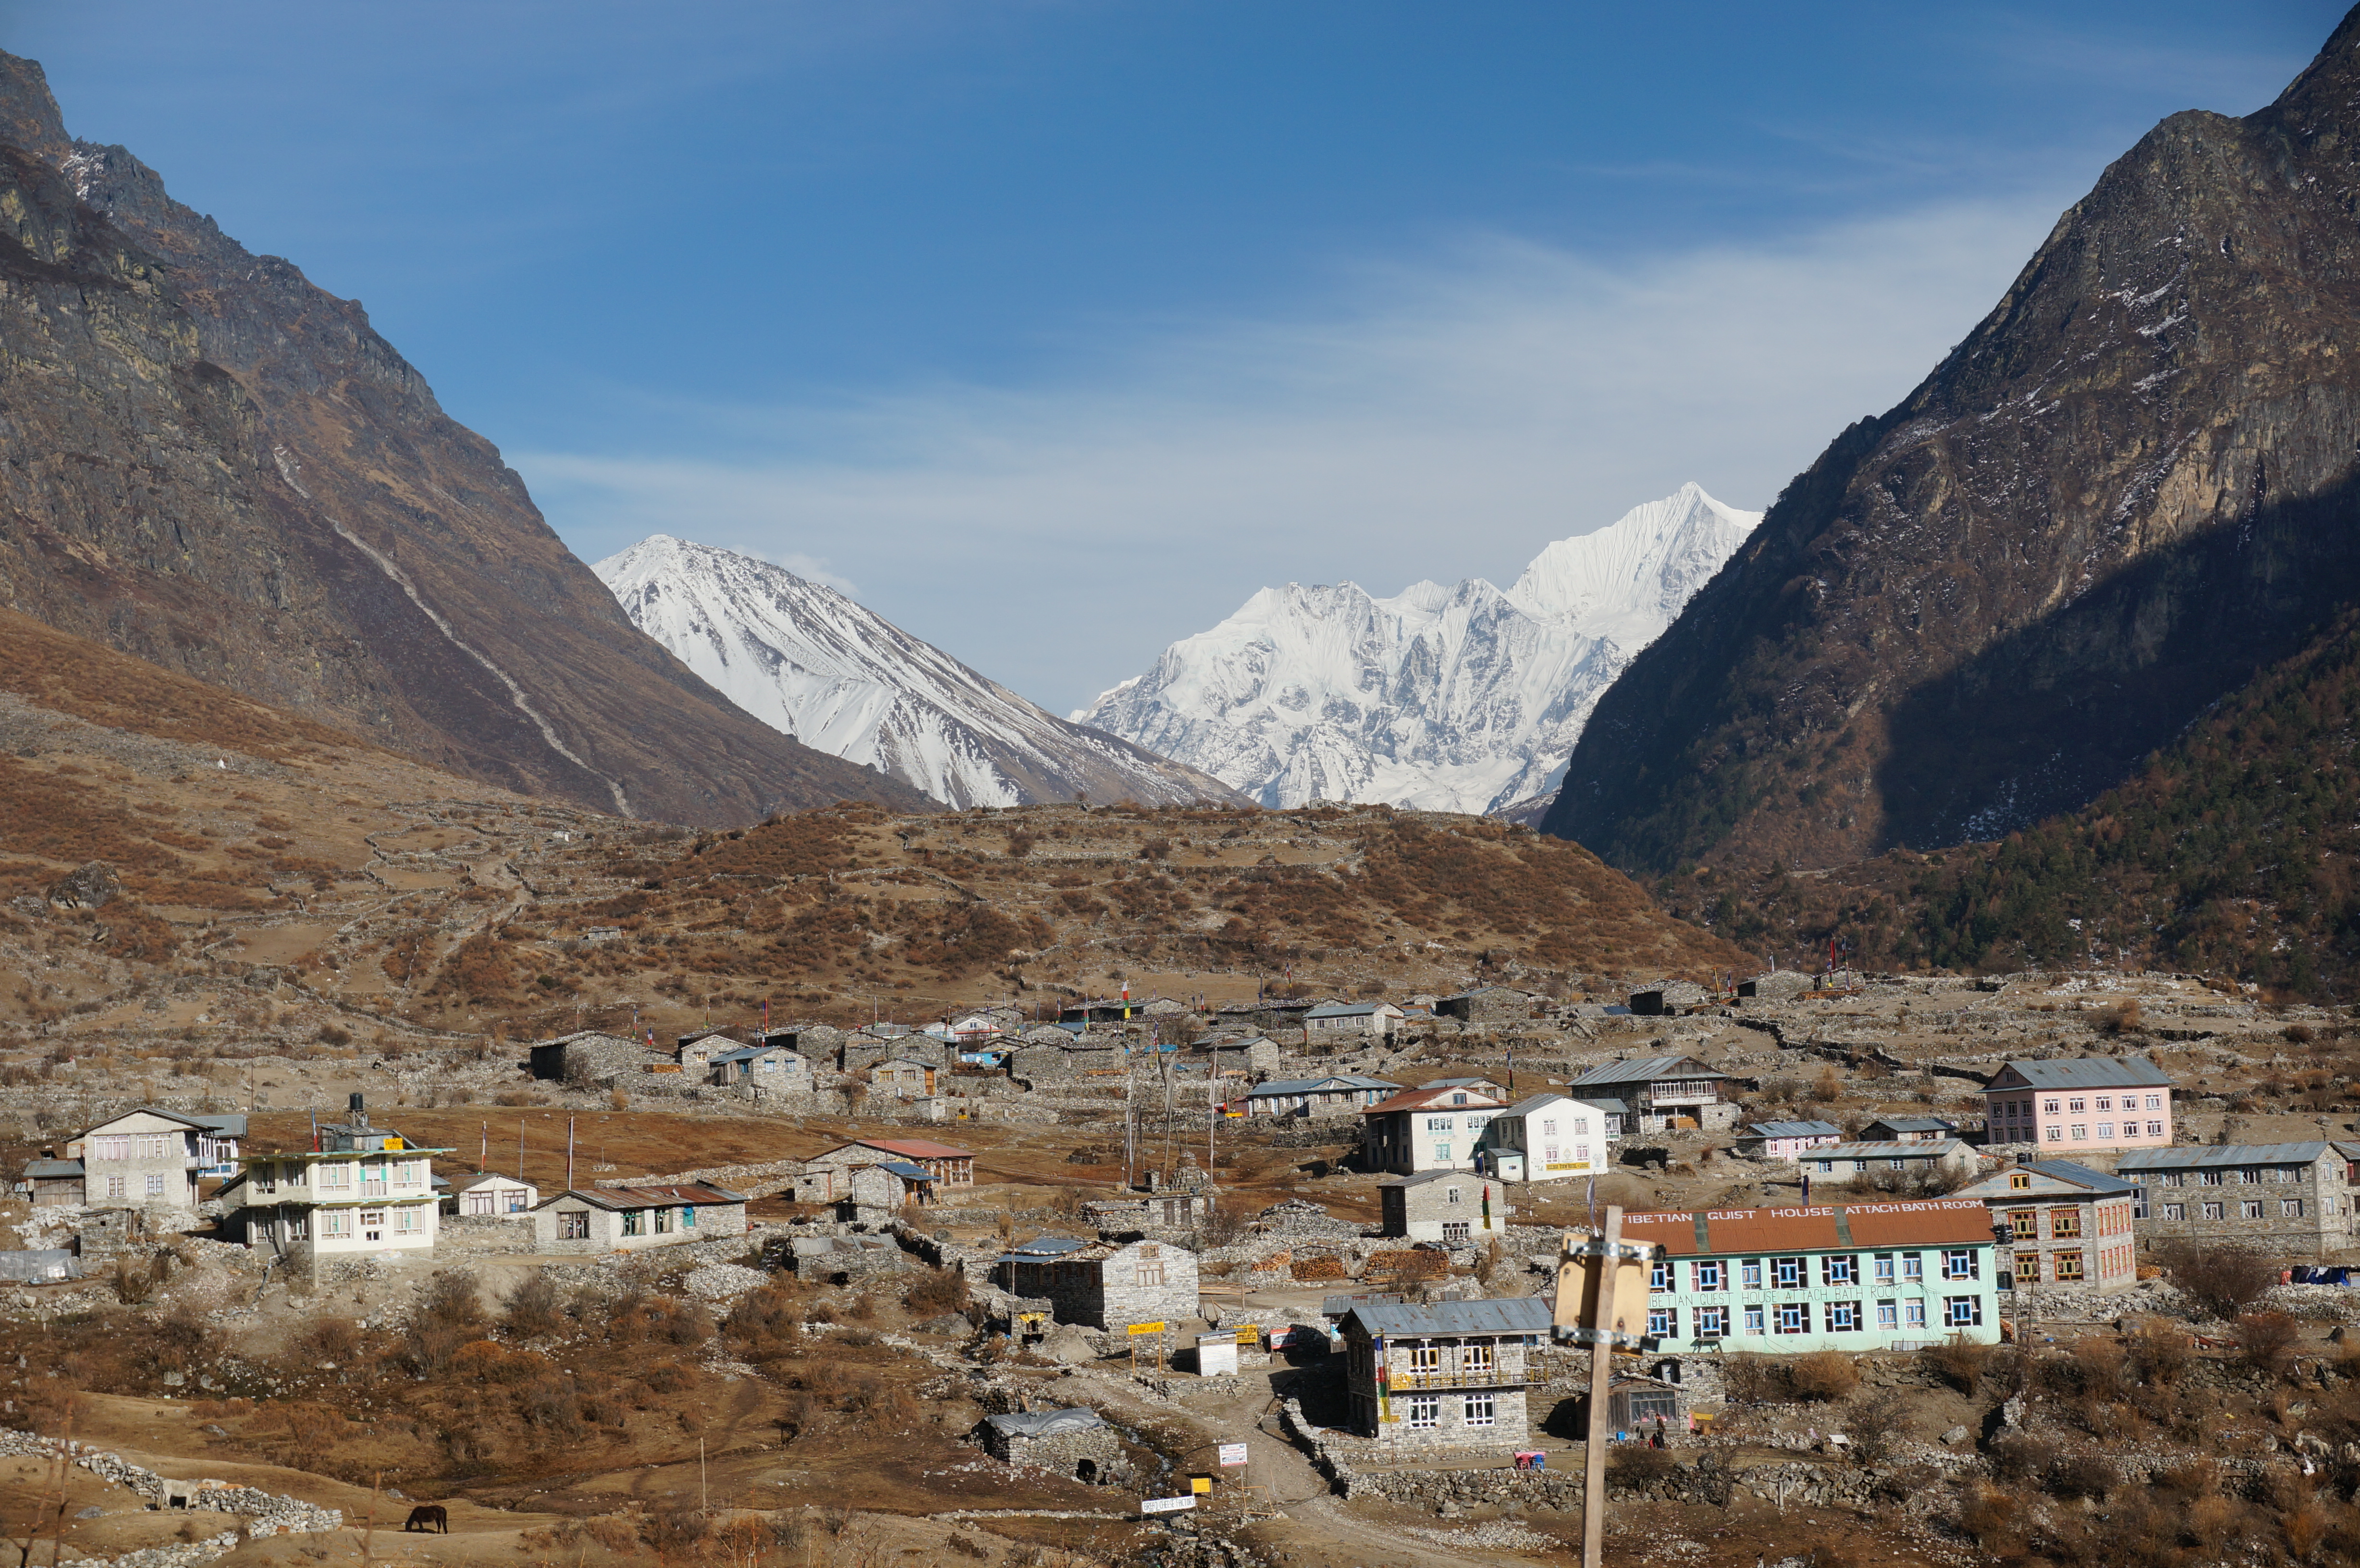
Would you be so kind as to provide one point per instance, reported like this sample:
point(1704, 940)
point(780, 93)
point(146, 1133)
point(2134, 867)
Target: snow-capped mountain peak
point(1455, 698)
point(809, 661)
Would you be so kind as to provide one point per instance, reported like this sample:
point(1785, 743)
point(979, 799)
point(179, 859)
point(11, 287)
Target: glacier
point(819, 667)
point(1456, 699)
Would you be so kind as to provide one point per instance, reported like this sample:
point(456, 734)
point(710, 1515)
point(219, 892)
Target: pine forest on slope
point(1464, 699)
point(812, 664)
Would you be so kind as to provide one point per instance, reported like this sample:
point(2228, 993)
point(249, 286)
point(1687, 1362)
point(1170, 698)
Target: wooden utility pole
point(1602, 1382)
point(568, 1154)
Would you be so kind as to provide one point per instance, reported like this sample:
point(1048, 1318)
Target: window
point(635, 1221)
point(2290, 1208)
point(573, 1225)
point(1450, 1195)
point(1424, 1411)
point(114, 1187)
point(1426, 1358)
point(1788, 1273)
point(663, 1227)
point(2209, 1178)
point(372, 1225)
point(2154, 1102)
point(2250, 1209)
point(1452, 1230)
point(1482, 1409)
point(2175, 1211)
point(1913, 1265)
point(2069, 1264)
point(2019, 1182)
point(1712, 1323)
point(1913, 1312)
point(2080, 1132)
point(1442, 1152)
point(2154, 1129)
point(1842, 1270)
point(1827, 1167)
point(1959, 1263)
point(1711, 1276)
point(2079, 1107)
point(2250, 1177)
point(1883, 1268)
point(2028, 1268)
point(1749, 1273)
point(2064, 1222)
point(2024, 1224)
point(2106, 1130)
point(2055, 1134)
point(2216, 1211)
point(479, 1203)
point(1548, 1128)
point(1844, 1317)
point(1888, 1314)
point(2172, 1178)
point(1753, 1319)
point(1963, 1311)
point(1794, 1317)
point(516, 1203)
point(2054, 1107)
point(109, 1148)
point(336, 1173)
point(406, 1220)
point(2105, 1102)
point(155, 1184)
point(1439, 1124)
point(1662, 1322)
point(1659, 1275)
point(336, 1222)
point(299, 1226)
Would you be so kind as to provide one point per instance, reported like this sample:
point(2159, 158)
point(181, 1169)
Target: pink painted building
point(2089, 1103)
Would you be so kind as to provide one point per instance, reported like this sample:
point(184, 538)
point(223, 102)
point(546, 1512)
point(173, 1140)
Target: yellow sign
point(1200, 1485)
point(393, 1143)
point(1147, 1328)
point(1250, 1336)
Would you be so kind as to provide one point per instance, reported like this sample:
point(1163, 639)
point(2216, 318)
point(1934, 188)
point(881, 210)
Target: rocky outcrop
point(209, 462)
point(2132, 486)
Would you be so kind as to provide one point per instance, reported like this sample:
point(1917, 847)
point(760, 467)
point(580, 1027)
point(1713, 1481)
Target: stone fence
point(266, 1513)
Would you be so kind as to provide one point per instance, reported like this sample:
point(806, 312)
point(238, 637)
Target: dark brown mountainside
point(212, 464)
point(2129, 490)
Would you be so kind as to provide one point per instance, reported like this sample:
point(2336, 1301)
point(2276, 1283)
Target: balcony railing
point(1454, 1377)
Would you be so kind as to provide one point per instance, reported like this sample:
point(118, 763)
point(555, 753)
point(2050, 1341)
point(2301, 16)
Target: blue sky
point(1054, 330)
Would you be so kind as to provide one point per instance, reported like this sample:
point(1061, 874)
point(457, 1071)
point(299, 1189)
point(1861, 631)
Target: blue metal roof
point(2194, 1157)
point(1512, 1314)
point(2066, 1170)
point(2090, 1073)
point(1315, 1085)
point(1917, 1123)
point(1797, 1130)
point(1041, 1249)
point(907, 1171)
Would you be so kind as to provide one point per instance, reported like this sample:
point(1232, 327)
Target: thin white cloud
point(1440, 420)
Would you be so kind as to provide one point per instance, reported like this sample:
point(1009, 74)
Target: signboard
point(1146, 1328)
point(1611, 1293)
point(1233, 1454)
point(1166, 1504)
point(1251, 1334)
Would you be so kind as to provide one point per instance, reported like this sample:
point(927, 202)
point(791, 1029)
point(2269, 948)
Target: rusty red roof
point(1822, 1227)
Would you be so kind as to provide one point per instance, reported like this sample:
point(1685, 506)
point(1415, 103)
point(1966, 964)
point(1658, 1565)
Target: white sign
point(1166, 1504)
point(1233, 1453)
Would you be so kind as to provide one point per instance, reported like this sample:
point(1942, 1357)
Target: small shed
point(871, 1191)
point(1076, 1443)
point(489, 1195)
point(53, 1183)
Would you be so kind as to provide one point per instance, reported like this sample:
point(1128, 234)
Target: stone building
point(593, 1057)
point(1176, 1213)
point(1074, 1442)
point(812, 1042)
point(902, 1077)
point(2069, 1225)
point(696, 1053)
point(1448, 1374)
point(1485, 1005)
point(884, 1190)
point(773, 1068)
point(1662, 1093)
point(1667, 996)
point(1909, 1129)
point(1341, 1023)
point(950, 1167)
point(363, 1190)
point(1338, 1095)
point(2283, 1197)
point(628, 1219)
point(1448, 1207)
point(1848, 1164)
point(144, 1158)
point(1102, 1284)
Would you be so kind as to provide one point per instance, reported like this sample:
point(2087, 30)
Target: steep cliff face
point(2131, 487)
point(212, 464)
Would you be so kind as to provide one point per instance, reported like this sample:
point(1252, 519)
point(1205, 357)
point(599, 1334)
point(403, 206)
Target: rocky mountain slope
point(2129, 489)
point(213, 464)
point(1464, 699)
point(812, 664)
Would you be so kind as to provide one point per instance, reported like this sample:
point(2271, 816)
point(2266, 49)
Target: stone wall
point(266, 1513)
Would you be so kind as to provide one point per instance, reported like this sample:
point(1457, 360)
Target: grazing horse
point(429, 1514)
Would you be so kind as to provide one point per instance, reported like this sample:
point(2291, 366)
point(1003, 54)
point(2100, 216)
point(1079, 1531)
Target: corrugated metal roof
point(1917, 1123)
point(2066, 1170)
point(1046, 1424)
point(224, 1123)
point(1511, 1315)
point(907, 1171)
point(1795, 1129)
point(1890, 1149)
point(1314, 1085)
point(2221, 1154)
point(1531, 1102)
point(655, 1197)
point(1423, 1176)
point(1337, 1306)
point(1345, 1009)
point(1647, 1069)
point(1433, 1099)
point(51, 1170)
point(2088, 1073)
point(2097, 1183)
point(1919, 1222)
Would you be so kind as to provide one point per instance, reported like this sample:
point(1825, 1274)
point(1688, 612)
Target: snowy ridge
point(810, 662)
point(1463, 699)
